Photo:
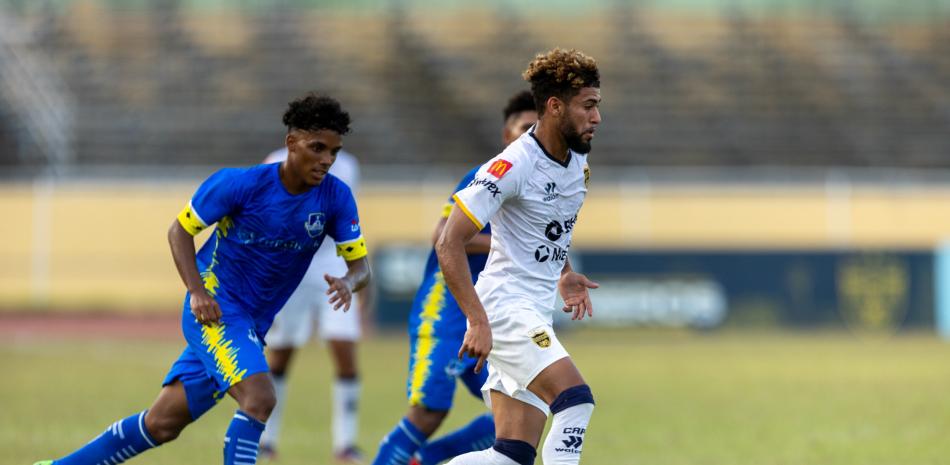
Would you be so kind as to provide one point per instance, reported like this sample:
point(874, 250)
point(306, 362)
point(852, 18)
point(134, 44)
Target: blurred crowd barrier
point(98, 246)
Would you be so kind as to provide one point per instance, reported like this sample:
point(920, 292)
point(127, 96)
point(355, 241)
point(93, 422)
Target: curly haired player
point(270, 221)
point(531, 193)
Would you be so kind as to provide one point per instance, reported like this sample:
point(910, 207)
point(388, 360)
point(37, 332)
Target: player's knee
point(163, 428)
point(426, 420)
point(572, 396)
point(259, 404)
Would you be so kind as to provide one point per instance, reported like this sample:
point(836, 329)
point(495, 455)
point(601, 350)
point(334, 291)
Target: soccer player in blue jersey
point(436, 328)
point(270, 221)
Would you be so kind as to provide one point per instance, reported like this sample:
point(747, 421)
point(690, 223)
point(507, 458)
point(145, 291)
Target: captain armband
point(190, 221)
point(352, 250)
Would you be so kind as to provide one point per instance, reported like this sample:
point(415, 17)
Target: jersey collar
point(565, 163)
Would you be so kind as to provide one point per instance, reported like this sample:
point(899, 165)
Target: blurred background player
point(436, 327)
point(293, 327)
point(248, 269)
point(532, 193)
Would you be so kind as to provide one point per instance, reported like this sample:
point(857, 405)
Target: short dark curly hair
point(522, 101)
point(314, 112)
point(560, 73)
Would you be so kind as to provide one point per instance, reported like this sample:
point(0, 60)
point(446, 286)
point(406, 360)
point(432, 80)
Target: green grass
point(663, 399)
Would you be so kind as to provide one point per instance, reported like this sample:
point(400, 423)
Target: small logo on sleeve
point(499, 168)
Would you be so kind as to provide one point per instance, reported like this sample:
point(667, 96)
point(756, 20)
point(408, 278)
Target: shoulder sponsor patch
point(499, 168)
point(586, 176)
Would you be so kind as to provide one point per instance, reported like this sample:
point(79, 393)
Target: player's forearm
point(183, 252)
point(358, 274)
point(458, 278)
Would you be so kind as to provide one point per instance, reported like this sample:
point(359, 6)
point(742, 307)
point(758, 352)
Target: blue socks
point(399, 445)
point(479, 434)
point(121, 441)
point(241, 440)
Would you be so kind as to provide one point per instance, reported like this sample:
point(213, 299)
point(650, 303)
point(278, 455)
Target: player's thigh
point(230, 351)
point(555, 379)
point(515, 419)
point(524, 345)
point(433, 369)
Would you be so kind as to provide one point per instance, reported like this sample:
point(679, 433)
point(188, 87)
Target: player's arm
point(459, 230)
point(341, 289)
point(479, 244)
point(182, 244)
point(573, 287)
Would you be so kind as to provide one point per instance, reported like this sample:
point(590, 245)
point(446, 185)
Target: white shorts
point(308, 306)
point(523, 344)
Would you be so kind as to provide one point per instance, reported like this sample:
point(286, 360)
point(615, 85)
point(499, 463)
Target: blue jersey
point(266, 237)
point(476, 262)
point(450, 316)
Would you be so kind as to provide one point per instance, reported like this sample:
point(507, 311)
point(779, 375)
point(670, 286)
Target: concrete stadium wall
point(102, 246)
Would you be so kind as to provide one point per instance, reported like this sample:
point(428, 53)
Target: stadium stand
point(203, 83)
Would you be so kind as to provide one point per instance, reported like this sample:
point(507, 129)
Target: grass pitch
point(664, 398)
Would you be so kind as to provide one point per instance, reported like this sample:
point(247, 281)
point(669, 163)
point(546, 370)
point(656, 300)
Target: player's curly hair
point(522, 101)
point(560, 73)
point(314, 112)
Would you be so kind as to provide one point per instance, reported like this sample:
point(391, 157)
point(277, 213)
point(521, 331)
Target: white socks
point(566, 436)
point(272, 430)
point(346, 398)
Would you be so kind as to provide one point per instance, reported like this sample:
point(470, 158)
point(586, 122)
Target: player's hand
point(573, 287)
point(340, 292)
point(477, 343)
point(204, 308)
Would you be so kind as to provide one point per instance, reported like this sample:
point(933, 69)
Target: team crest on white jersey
point(315, 224)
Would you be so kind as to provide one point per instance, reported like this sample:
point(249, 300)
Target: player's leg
point(233, 357)
point(572, 403)
point(186, 394)
point(518, 427)
point(290, 330)
point(433, 366)
point(478, 434)
point(256, 399)
point(346, 400)
point(342, 331)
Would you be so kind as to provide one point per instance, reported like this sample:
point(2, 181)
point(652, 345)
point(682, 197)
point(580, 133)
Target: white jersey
point(347, 169)
point(532, 201)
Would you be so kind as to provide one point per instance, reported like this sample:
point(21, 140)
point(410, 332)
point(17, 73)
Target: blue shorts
point(216, 358)
point(437, 327)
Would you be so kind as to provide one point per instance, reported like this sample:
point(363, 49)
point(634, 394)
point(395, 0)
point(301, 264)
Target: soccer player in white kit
point(531, 193)
point(293, 327)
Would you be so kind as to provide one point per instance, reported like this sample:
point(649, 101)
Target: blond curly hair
point(560, 73)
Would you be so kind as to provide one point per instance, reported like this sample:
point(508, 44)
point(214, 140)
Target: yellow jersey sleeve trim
point(191, 221)
point(352, 250)
point(468, 213)
point(447, 209)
